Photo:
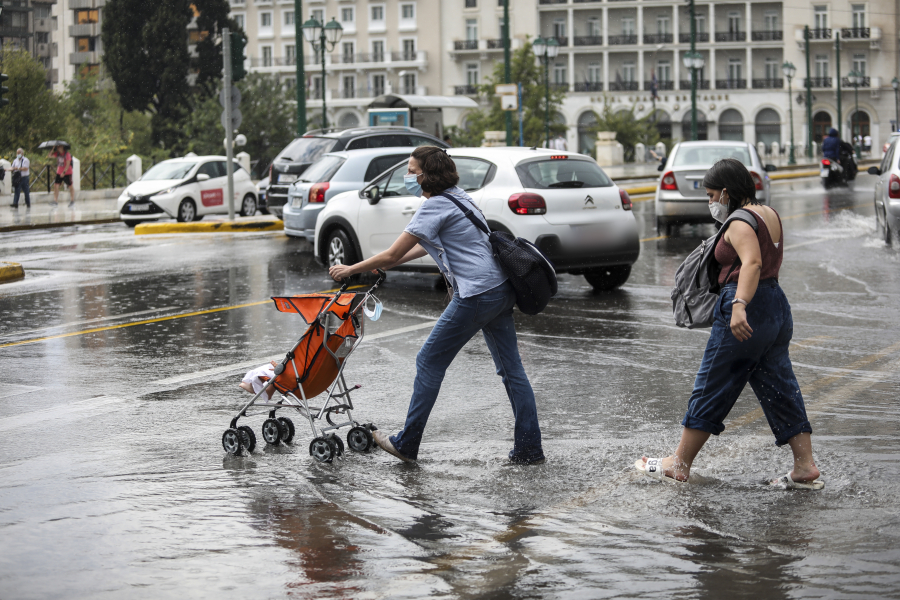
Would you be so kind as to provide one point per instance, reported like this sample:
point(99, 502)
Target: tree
point(34, 113)
point(146, 55)
point(212, 17)
point(629, 129)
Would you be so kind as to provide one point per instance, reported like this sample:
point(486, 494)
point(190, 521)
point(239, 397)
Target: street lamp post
point(323, 39)
point(789, 70)
point(546, 50)
point(693, 61)
point(895, 83)
point(855, 79)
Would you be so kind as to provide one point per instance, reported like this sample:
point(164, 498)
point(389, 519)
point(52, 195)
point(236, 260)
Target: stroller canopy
point(310, 306)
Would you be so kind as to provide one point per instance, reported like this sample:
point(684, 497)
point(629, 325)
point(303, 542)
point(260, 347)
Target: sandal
point(785, 482)
point(653, 468)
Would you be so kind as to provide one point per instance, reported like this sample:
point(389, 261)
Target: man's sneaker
point(384, 442)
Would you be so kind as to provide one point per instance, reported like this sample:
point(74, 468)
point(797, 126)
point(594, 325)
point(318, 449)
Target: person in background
point(21, 166)
point(63, 173)
point(831, 145)
point(867, 143)
point(448, 140)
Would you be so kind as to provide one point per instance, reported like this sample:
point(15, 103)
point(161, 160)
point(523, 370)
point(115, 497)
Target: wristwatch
point(739, 301)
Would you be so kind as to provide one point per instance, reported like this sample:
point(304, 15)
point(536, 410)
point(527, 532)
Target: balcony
point(465, 90)
point(81, 58)
point(76, 4)
point(819, 82)
point(582, 1)
point(559, 86)
point(84, 30)
point(660, 85)
point(818, 34)
point(767, 36)
point(685, 84)
point(731, 84)
point(685, 38)
point(562, 41)
point(866, 82)
point(731, 36)
point(465, 45)
point(588, 40)
point(767, 84)
point(416, 56)
point(554, 1)
point(622, 40)
point(623, 86)
point(496, 44)
point(588, 86)
point(856, 33)
point(658, 38)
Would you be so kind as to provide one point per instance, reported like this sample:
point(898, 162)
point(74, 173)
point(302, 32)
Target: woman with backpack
point(749, 338)
point(482, 301)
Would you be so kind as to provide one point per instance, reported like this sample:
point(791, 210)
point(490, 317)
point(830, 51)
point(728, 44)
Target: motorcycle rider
point(841, 152)
point(831, 145)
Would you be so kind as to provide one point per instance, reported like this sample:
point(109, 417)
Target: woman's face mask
point(411, 181)
point(718, 210)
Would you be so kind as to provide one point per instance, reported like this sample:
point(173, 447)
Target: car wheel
point(888, 234)
point(187, 211)
point(604, 279)
point(662, 228)
point(131, 223)
point(339, 250)
point(248, 206)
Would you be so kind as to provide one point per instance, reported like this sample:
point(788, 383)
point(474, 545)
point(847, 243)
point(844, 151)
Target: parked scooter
point(839, 174)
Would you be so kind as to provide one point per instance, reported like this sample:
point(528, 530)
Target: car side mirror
point(202, 177)
point(873, 171)
point(373, 194)
point(661, 166)
point(770, 168)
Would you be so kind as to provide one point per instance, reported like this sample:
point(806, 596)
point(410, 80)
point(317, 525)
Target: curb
point(31, 226)
point(211, 227)
point(11, 272)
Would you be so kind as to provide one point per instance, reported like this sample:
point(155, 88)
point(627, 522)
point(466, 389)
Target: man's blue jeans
point(491, 313)
point(23, 187)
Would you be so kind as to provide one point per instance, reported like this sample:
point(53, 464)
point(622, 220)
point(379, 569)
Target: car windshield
point(556, 173)
point(169, 170)
point(707, 155)
point(322, 170)
point(306, 149)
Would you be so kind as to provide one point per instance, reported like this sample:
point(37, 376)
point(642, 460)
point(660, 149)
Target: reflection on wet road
point(121, 357)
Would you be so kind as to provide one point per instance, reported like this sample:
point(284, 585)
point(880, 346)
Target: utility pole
point(809, 131)
point(301, 74)
point(694, 71)
point(506, 68)
point(837, 56)
point(229, 133)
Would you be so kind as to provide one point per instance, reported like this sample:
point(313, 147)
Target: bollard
point(6, 184)
point(133, 169)
point(640, 153)
point(244, 160)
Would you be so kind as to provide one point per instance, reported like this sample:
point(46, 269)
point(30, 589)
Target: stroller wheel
point(322, 450)
point(338, 444)
point(287, 428)
point(359, 439)
point(271, 432)
point(248, 438)
point(231, 441)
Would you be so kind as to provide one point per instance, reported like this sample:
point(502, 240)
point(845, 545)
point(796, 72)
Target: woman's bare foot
point(680, 473)
point(805, 474)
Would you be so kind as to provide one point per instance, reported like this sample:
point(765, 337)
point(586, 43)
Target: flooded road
point(121, 356)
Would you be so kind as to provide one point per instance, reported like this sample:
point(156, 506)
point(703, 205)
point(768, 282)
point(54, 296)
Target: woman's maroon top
point(771, 254)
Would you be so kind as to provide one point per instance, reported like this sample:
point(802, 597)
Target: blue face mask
point(413, 186)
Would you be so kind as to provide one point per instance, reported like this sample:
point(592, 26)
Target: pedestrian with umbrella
point(60, 151)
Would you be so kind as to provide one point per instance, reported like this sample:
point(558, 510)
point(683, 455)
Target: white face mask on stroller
point(373, 313)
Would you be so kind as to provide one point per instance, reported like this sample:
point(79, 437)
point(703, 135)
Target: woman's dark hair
point(731, 174)
point(438, 168)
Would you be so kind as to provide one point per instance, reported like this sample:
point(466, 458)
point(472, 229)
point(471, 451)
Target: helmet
point(833, 132)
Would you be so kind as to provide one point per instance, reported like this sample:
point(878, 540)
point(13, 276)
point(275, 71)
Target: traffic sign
point(509, 102)
point(235, 97)
point(506, 89)
point(236, 119)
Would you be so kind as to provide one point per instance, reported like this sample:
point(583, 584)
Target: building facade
point(78, 24)
point(28, 24)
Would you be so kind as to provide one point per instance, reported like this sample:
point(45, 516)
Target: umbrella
point(53, 144)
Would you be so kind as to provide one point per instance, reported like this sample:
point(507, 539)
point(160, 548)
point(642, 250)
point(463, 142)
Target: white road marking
point(792, 246)
point(56, 412)
point(89, 321)
point(14, 389)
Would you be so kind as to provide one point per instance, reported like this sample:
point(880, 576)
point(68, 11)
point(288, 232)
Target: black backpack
point(530, 272)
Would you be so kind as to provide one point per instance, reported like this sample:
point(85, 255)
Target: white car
point(562, 201)
point(186, 189)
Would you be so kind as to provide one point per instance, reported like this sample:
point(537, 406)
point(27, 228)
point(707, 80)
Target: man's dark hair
point(731, 174)
point(438, 168)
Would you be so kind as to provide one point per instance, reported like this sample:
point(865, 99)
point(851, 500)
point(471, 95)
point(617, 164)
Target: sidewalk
point(91, 206)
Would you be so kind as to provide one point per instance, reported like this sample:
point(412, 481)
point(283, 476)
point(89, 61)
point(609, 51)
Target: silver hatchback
point(680, 195)
point(887, 192)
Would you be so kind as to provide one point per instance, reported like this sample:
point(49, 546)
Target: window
point(734, 69)
point(700, 23)
point(290, 54)
point(317, 91)
point(42, 37)
point(662, 25)
point(265, 19)
point(347, 15)
point(211, 169)
point(409, 83)
point(288, 18)
point(709, 155)
point(471, 30)
point(289, 82)
point(593, 27)
point(407, 11)
point(593, 72)
point(472, 173)
point(318, 14)
point(381, 164)
point(348, 49)
point(820, 19)
point(87, 16)
point(378, 86)
point(559, 74)
point(664, 71)
point(85, 44)
point(377, 13)
point(378, 51)
point(409, 49)
point(771, 20)
point(734, 22)
point(239, 19)
point(349, 86)
point(859, 15)
point(559, 28)
point(821, 66)
point(771, 69)
point(628, 26)
point(472, 74)
point(471, 3)
point(859, 63)
point(266, 56)
point(554, 174)
point(42, 12)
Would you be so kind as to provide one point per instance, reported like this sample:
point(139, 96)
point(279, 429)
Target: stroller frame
point(325, 445)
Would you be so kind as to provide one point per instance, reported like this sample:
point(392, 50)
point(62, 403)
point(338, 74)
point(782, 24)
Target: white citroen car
point(562, 201)
point(186, 189)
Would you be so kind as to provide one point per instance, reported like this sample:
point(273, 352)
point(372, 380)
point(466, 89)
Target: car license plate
point(697, 185)
point(287, 178)
point(140, 207)
point(823, 173)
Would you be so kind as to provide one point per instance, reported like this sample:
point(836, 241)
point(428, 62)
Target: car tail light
point(317, 192)
point(559, 157)
point(894, 187)
point(826, 162)
point(626, 200)
point(669, 183)
point(757, 180)
point(527, 204)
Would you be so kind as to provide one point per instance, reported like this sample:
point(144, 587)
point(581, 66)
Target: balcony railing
point(660, 85)
point(562, 41)
point(465, 45)
point(407, 56)
point(767, 36)
point(658, 38)
point(864, 83)
point(731, 36)
point(559, 86)
point(465, 90)
point(588, 40)
point(495, 44)
point(581, 1)
point(819, 82)
point(623, 86)
point(855, 33)
point(731, 84)
point(820, 34)
point(588, 86)
point(685, 84)
point(768, 84)
point(554, 1)
point(621, 40)
point(685, 38)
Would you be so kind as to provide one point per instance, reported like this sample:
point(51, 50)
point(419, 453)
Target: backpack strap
point(712, 269)
point(468, 212)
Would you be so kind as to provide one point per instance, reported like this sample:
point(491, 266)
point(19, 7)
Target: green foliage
point(34, 113)
point(238, 43)
point(524, 69)
point(629, 129)
point(211, 19)
point(465, 138)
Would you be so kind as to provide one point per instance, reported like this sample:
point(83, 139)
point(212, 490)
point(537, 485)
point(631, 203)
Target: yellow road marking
point(156, 320)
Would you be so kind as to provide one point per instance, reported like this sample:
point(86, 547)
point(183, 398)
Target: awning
point(410, 101)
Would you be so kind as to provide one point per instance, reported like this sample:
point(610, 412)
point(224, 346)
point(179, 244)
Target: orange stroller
point(315, 364)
